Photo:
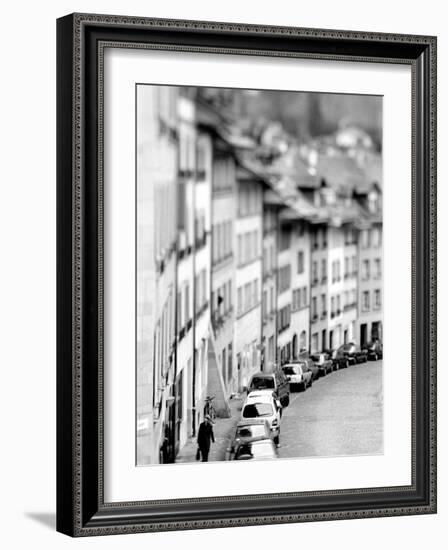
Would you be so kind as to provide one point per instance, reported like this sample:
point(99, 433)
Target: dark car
point(256, 449)
point(247, 430)
point(374, 350)
point(275, 381)
point(340, 360)
point(353, 353)
point(323, 363)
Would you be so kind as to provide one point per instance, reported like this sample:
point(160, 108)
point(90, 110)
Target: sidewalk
point(223, 430)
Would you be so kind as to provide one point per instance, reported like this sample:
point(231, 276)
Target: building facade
point(248, 275)
point(224, 205)
point(269, 277)
point(156, 272)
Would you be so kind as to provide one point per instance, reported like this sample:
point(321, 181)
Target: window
point(377, 271)
point(284, 278)
point(324, 303)
point(377, 299)
point(324, 270)
point(346, 267)
point(304, 297)
point(314, 307)
point(332, 306)
point(365, 238)
point(376, 237)
point(365, 270)
point(300, 262)
point(296, 299)
point(324, 238)
point(314, 272)
point(284, 318)
point(365, 301)
point(338, 304)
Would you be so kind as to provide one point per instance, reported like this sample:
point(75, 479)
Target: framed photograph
point(246, 274)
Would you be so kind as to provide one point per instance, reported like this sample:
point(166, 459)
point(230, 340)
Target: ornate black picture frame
point(81, 510)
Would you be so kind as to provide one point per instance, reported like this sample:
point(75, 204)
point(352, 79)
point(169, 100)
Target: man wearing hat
point(205, 436)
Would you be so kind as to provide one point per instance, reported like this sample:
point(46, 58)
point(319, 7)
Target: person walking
point(205, 437)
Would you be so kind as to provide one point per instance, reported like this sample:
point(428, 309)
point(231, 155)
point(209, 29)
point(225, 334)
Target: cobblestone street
point(341, 414)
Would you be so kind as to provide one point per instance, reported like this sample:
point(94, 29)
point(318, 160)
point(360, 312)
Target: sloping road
point(340, 415)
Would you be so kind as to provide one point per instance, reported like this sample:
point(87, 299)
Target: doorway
point(363, 334)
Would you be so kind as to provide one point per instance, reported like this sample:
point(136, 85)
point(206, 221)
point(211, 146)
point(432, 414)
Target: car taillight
point(275, 422)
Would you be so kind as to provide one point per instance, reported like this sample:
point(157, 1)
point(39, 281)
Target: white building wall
point(247, 332)
point(370, 252)
point(300, 287)
point(156, 231)
point(319, 286)
point(335, 285)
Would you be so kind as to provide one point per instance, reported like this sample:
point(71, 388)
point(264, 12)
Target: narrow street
point(341, 414)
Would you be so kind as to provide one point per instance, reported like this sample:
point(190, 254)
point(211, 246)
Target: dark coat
point(205, 435)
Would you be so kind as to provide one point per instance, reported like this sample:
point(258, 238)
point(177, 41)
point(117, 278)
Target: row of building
point(243, 259)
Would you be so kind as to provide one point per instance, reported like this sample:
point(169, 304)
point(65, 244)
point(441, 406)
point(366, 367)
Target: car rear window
point(256, 430)
point(291, 369)
point(254, 410)
point(262, 383)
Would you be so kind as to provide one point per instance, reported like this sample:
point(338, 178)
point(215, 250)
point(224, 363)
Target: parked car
point(247, 430)
point(374, 350)
point(264, 404)
point(304, 359)
point(256, 449)
point(275, 381)
point(353, 353)
point(340, 360)
point(298, 375)
point(323, 363)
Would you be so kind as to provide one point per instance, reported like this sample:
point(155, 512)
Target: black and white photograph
point(258, 274)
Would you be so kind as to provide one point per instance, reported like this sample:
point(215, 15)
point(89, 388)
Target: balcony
point(314, 318)
point(315, 281)
point(324, 315)
point(324, 279)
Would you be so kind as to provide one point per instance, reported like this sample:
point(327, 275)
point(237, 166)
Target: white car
point(298, 375)
point(264, 404)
